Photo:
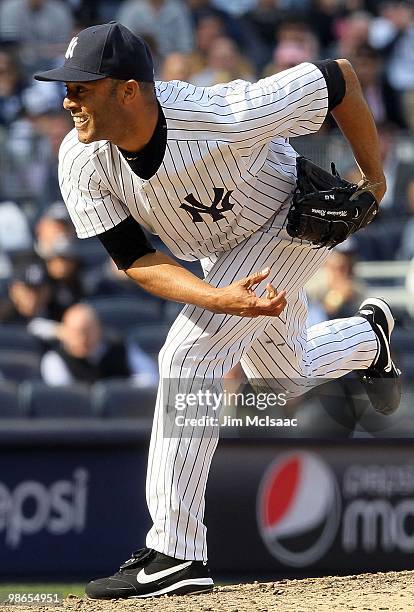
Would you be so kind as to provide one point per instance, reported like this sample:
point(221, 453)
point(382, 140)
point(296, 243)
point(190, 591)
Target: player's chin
point(87, 135)
point(84, 139)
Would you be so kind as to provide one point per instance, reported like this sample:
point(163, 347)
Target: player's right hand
point(240, 299)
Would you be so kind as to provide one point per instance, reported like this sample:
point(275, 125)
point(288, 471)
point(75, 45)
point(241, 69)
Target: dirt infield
point(383, 591)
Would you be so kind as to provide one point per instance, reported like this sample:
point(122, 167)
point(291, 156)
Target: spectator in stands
point(235, 7)
point(398, 164)
point(209, 28)
point(63, 268)
point(15, 235)
point(34, 154)
point(107, 280)
point(168, 22)
point(368, 65)
point(41, 27)
point(176, 66)
point(286, 55)
point(353, 33)
point(296, 44)
point(234, 16)
point(195, 6)
point(12, 86)
point(393, 34)
point(296, 30)
point(28, 295)
point(53, 224)
point(409, 280)
point(336, 287)
point(52, 127)
point(26, 151)
point(85, 355)
point(23, 149)
point(296, 5)
point(406, 250)
point(323, 19)
point(224, 64)
point(6, 271)
point(264, 18)
point(381, 239)
point(260, 25)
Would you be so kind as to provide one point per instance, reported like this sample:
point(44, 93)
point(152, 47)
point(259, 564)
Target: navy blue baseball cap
point(107, 50)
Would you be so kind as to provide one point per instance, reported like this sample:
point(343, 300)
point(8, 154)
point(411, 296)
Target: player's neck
point(140, 130)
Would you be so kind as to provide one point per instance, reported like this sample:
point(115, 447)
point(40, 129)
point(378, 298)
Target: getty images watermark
point(298, 408)
point(214, 401)
point(195, 407)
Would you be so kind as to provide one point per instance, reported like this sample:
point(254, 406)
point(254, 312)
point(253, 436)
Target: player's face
point(93, 106)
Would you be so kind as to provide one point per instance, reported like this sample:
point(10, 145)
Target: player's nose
point(69, 104)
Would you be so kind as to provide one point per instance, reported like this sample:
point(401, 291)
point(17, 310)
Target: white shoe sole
point(196, 582)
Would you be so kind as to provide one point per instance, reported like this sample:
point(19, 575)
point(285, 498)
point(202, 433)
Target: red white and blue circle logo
point(298, 508)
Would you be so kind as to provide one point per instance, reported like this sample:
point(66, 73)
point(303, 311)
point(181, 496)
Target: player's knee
point(173, 357)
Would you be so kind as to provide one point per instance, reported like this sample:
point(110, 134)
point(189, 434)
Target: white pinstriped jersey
point(228, 165)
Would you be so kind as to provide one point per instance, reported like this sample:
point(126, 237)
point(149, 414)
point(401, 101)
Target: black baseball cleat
point(381, 379)
point(148, 574)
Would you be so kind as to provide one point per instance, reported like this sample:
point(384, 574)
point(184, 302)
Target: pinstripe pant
point(205, 345)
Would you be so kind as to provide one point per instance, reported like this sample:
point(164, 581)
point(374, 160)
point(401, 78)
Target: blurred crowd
point(54, 284)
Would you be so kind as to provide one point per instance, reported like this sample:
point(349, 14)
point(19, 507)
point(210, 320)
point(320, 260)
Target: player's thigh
point(202, 343)
point(279, 354)
point(292, 262)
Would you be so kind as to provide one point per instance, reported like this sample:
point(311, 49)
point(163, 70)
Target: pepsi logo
point(298, 508)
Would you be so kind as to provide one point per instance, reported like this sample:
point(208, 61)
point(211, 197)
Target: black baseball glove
point(326, 209)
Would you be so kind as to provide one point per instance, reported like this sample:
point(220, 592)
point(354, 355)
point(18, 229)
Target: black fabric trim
point(145, 162)
point(126, 242)
point(335, 81)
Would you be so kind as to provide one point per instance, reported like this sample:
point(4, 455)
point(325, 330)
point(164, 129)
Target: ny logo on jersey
point(71, 47)
point(196, 208)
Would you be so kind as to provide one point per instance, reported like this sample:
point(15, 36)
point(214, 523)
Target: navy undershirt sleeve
point(335, 81)
point(125, 243)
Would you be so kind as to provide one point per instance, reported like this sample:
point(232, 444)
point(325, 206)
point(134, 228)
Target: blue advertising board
point(307, 509)
point(75, 508)
point(70, 511)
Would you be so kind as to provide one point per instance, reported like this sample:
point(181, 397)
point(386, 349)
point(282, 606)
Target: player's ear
point(130, 91)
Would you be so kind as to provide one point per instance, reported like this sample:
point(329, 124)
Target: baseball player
point(211, 171)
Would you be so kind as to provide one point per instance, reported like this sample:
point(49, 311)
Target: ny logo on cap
point(71, 47)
